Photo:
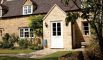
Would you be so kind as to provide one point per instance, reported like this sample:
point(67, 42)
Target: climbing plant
point(36, 23)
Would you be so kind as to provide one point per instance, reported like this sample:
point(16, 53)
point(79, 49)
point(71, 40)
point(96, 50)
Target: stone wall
point(12, 25)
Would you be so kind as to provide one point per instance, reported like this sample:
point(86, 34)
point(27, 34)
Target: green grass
point(58, 54)
point(14, 58)
point(15, 51)
point(53, 56)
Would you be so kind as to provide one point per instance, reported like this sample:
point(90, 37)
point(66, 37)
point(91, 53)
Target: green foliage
point(92, 11)
point(35, 47)
point(15, 51)
point(14, 58)
point(93, 50)
point(71, 17)
point(36, 23)
point(9, 40)
point(23, 43)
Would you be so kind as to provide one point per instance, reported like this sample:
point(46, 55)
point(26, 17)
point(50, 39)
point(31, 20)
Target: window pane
point(58, 29)
point(54, 33)
point(54, 25)
point(26, 29)
point(59, 33)
point(58, 24)
point(54, 29)
point(0, 13)
point(85, 24)
point(26, 34)
point(21, 32)
point(29, 9)
point(86, 28)
point(86, 32)
point(25, 9)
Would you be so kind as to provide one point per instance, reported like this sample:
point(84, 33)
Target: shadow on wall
point(77, 36)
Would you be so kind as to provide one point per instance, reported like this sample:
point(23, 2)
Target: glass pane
point(86, 28)
point(58, 29)
point(54, 25)
point(26, 29)
point(59, 33)
point(25, 9)
point(58, 24)
point(85, 24)
point(26, 34)
point(54, 33)
point(21, 32)
point(54, 29)
point(29, 9)
point(86, 32)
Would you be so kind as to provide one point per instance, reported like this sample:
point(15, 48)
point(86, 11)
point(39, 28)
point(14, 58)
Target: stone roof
point(43, 6)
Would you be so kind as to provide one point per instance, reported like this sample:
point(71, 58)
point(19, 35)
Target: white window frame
point(84, 30)
point(56, 29)
point(27, 8)
point(0, 12)
point(24, 33)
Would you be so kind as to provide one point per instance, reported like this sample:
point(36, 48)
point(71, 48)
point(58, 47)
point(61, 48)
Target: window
point(86, 28)
point(27, 9)
point(0, 12)
point(26, 32)
point(56, 29)
point(0, 32)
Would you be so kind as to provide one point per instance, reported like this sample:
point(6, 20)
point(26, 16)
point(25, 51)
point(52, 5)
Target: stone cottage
point(14, 19)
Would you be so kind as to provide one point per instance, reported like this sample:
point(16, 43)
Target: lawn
point(15, 51)
point(55, 56)
point(14, 58)
point(58, 54)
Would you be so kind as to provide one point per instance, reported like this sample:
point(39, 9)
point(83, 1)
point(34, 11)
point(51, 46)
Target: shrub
point(35, 47)
point(23, 43)
point(9, 40)
point(31, 47)
point(6, 41)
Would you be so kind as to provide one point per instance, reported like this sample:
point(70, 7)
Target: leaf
point(71, 17)
point(36, 23)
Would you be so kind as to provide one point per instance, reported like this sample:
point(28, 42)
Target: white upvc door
point(56, 35)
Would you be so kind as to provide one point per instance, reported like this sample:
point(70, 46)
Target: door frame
point(56, 32)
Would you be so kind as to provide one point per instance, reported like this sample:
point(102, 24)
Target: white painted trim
point(27, 9)
point(51, 33)
point(1, 13)
point(55, 5)
point(24, 33)
point(83, 29)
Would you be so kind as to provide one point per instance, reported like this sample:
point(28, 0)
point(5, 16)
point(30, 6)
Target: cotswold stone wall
point(57, 15)
point(12, 25)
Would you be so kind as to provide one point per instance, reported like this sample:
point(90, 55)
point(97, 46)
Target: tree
point(36, 23)
point(95, 7)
